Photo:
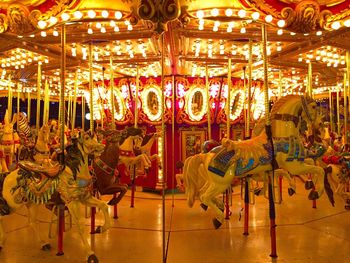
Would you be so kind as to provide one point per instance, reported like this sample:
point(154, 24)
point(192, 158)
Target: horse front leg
point(74, 210)
point(34, 225)
point(208, 198)
point(94, 202)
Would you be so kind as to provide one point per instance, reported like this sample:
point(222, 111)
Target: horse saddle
point(48, 171)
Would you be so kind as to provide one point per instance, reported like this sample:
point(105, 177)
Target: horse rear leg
point(74, 210)
point(94, 202)
point(34, 224)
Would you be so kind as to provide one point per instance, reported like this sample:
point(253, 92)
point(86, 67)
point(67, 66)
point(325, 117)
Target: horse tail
point(190, 174)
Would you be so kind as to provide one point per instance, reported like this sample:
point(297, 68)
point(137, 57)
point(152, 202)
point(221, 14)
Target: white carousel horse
point(9, 141)
point(239, 159)
point(130, 141)
point(33, 184)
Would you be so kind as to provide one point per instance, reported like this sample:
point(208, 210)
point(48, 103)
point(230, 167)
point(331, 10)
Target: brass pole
point(208, 100)
point(228, 102)
point(345, 111)
point(18, 100)
point(91, 90)
point(137, 96)
point(29, 106)
point(338, 111)
point(250, 64)
point(347, 94)
point(173, 135)
point(69, 108)
point(46, 103)
point(330, 110)
point(75, 99)
point(83, 112)
point(111, 84)
point(9, 100)
point(38, 90)
point(266, 88)
point(163, 181)
point(310, 93)
point(280, 84)
point(63, 85)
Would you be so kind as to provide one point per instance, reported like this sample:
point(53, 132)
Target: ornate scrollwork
point(159, 12)
point(306, 17)
point(18, 19)
point(3, 23)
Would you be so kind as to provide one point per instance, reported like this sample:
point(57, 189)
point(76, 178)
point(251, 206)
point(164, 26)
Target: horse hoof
point(309, 185)
point(205, 207)
point(113, 201)
point(257, 191)
point(291, 191)
point(92, 259)
point(46, 247)
point(216, 223)
point(313, 195)
point(98, 230)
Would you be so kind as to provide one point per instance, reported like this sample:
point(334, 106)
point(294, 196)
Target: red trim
point(7, 142)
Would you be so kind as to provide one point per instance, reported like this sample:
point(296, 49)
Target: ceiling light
point(280, 32)
point(347, 23)
point(319, 33)
point(243, 30)
point(228, 12)
point(118, 15)
point(255, 15)
point(200, 14)
point(281, 23)
point(43, 33)
point(53, 20)
point(90, 31)
point(242, 13)
point(268, 18)
point(91, 14)
point(65, 17)
point(105, 14)
point(112, 23)
point(336, 25)
point(214, 12)
point(78, 15)
point(42, 24)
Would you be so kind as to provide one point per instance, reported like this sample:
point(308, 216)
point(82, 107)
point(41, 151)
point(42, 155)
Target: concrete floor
point(304, 234)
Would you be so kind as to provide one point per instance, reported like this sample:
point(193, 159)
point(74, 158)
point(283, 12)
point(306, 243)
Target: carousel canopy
point(125, 37)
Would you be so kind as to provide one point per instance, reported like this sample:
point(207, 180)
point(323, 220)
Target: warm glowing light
point(280, 32)
point(65, 17)
point(347, 23)
point(91, 14)
point(196, 111)
point(53, 20)
point(90, 31)
point(319, 33)
point(268, 18)
point(242, 13)
point(78, 15)
point(281, 23)
point(42, 24)
point(243, 30)
point(103, 30)
point(200, 14)
point(43, 33)
point(104, 14)
point(214, 12)
point(112, 23)
point(255, 15)
point(153, 111)
point(336, 25)
point(118, 15)
point(229, 12)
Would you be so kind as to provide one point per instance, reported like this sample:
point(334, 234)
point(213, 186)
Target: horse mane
point(130, 131)
point(146, 139)
point(74, 157)
point(278, 104)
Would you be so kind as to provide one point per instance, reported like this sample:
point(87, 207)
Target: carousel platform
point(304, 234)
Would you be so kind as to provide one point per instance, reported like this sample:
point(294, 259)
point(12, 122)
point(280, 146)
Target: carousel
point(117, 116)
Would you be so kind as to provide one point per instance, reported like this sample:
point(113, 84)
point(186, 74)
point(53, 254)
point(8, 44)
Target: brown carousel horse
point(106, 174)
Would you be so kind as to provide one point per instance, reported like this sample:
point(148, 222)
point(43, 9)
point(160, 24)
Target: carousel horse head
point(131, 138)
point(44, 133)
point(89, 144)
point(8, 126)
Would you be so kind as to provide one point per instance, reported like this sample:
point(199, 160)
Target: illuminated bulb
point(43, 33)
point(347, 23)
point(292, 33)
point(300, 59)
point(242, 13)
point(215, 29)
point(116, 29)
point(200, 27)
point(281, 23)
point(42, 24)
point(130, 27)
point(319, 33)
point(280, 32)
point(342, 62)
point(335, 65)
point(118, 15)
point(216, 23)
point(228, 12)
point(55, 33)
point(255, 15)
point(65, 17)
point(214, 12)
point(318, 58)
point(98, 25)
point(90, 31)
point(74, 52)
point(336, 25)
point(268, 18)
point(243, 30)
point(105, 14)
point(229, 29)
point(18, 56)
point(53, 20)
point(112, 23)
point(307, 61)
point(103, 30)
point(91, 14)
point(329, 64)
point(200, 14)
point(279, 48)
point(46, 61)
point(78, 15)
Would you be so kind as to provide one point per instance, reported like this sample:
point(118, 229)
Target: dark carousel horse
point(107, 177)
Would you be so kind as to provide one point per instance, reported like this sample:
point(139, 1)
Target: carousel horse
point(130, 142)
point(243, 158)
point(33, 184)
point(9, 141)
point(106, 174)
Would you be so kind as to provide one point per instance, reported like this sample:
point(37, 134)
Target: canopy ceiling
point(197, 34)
